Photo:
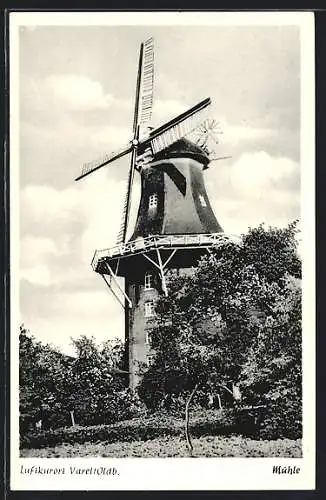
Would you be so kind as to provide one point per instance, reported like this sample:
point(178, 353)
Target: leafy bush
point(249, 420)
point(114, 407)
point(138, 429)
point(258, 423)
point(282, 420)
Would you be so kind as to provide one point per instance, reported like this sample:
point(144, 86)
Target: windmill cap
point(183, 148)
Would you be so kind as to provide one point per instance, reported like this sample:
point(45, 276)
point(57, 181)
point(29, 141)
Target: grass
point(208, 446)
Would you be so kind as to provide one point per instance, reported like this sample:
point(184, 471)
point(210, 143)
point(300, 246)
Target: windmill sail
point(142, 117)
point(143, 111)
point(177, 128)
point(91, 166)
point(126, 210)
point(147, 84)
point(143, 106)
point(120, 237)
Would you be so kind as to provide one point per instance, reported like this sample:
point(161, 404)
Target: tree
point(41, 379)
point(272, 374)
point(213, 322)
point(87, 389)
point(92, 387)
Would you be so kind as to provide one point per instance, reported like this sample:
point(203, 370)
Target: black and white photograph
point(162, 250)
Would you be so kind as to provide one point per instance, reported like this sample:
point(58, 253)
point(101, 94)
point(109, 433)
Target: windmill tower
point(175, 223)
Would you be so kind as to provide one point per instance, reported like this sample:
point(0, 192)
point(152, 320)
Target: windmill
point(175, 224)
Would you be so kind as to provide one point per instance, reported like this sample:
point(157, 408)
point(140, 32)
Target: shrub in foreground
point(138, 429)
point(258, 423)
point(282, 420)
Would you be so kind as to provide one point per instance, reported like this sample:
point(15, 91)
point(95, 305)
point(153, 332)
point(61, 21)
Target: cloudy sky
point(76, 89)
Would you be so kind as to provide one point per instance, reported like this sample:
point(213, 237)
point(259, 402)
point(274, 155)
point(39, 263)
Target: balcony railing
point(163, 241)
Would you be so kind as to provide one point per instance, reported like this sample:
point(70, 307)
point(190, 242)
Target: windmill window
point(148, 281)
point(149, 309)
point(150, 359)
point(202, 201)
point(147, 338)
point(153, 199)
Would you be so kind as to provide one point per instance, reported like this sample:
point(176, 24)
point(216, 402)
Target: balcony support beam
point(109, 285)
point(160, 265)
point(114, 278)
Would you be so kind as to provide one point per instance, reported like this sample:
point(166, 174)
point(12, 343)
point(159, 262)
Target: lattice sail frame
point(142, 116)
point(147, 84)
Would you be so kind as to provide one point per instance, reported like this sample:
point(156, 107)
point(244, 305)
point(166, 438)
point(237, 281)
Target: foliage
point(41, 379)
point(91, 385)
point(91, 390)
point(234, 329)
point(174, 446)
point(273, 371)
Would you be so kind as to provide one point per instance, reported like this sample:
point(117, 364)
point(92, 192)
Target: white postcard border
point(175, 474)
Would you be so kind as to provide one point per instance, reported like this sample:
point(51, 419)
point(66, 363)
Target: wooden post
point(72, 418)
point(189, 443)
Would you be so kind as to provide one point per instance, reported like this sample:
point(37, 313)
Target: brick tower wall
point(137, 324)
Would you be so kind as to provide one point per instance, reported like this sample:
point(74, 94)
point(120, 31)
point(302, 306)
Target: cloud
point(239, 133)
point(86, 302)
point(57, 316)
point(33, 248)
point(78, 92)
point(164, 110)
point(107, 137)
point(46, 203)
point(255, 188)
point(252, 174)
point(74, 221)
point(38, 275)
point(35, 254)
point(238, 217)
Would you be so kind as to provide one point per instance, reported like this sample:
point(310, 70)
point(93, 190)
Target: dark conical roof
point(183, 148)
